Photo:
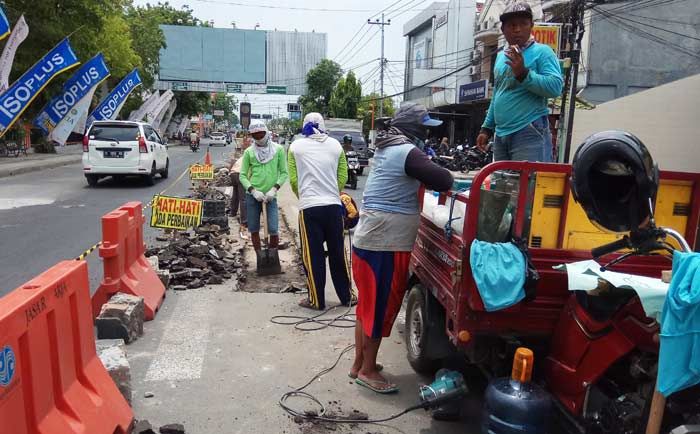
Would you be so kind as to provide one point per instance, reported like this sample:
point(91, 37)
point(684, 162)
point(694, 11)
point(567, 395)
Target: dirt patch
point(292, 269)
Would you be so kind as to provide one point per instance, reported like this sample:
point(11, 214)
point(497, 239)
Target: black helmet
point(614, 179)
point(347, 138)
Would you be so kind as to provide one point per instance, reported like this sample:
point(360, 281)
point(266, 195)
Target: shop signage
point(441, 20)
point(549, 34)
point(475, 91)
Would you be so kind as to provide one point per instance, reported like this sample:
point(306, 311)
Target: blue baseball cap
point(413, 113)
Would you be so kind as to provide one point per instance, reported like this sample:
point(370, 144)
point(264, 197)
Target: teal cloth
point(516, 104)
point(499, 273)
point(679, 356)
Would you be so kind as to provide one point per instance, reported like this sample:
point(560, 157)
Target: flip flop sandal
point(372, 385)
point(379, 368)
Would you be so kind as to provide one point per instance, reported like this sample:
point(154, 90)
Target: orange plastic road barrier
point(51, 380)
point(207, 158)
point(125, 266)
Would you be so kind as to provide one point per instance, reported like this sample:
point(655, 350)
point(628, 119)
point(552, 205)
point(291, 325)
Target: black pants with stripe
point(317, 225)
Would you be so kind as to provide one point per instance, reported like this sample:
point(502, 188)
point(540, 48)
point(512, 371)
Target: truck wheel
point(417, 333)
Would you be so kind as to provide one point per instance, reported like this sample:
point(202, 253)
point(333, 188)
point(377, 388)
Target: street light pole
point(382, 62)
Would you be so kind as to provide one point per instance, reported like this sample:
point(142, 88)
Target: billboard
point(207, 54)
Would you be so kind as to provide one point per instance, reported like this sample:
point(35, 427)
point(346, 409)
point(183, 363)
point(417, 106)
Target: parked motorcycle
point(354, 169)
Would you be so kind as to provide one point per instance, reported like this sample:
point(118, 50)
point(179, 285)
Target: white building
point(439, 43)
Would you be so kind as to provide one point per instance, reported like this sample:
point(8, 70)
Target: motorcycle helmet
point(347, 138)
point(615, 180)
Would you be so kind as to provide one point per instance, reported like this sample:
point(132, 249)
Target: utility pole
point(568, 104)
point(382, 62)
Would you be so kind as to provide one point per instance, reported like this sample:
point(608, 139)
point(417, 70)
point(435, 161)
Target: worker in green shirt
point(263, 172)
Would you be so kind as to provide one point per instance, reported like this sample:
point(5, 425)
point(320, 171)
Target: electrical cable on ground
point(319, 416)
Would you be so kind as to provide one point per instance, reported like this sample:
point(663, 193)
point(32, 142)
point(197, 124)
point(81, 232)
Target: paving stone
point(112, 353)
point(121, 318)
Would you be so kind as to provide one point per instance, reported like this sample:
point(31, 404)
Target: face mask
point(261, 142)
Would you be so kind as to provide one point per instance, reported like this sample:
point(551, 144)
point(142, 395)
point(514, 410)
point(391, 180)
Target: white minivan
point(124, 148)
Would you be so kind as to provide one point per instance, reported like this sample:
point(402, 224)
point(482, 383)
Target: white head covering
point(264, 150)
point(314, 126)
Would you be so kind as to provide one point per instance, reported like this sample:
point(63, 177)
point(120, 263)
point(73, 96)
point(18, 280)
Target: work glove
point(271, 195)
point(258, 195)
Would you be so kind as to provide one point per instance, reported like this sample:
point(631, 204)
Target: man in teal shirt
point(526, 74)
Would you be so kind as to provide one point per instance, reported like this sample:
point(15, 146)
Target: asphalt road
point(49, 216)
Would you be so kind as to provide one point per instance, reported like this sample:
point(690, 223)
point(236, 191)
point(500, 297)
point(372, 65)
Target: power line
point(622, 17)
point(649, 36)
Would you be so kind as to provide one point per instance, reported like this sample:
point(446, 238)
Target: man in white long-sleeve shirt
point(318, 171)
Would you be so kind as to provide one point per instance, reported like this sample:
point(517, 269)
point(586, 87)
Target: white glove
point(258, 195)
point(271, 195)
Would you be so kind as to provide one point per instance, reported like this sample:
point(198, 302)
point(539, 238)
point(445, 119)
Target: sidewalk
point(33, 162)
point(213, 361)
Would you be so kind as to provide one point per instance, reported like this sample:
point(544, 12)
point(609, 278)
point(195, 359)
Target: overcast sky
point(341, 27)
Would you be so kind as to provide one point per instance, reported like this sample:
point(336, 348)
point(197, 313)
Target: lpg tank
point(515, 405)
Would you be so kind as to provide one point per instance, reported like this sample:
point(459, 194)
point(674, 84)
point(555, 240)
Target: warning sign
point(176, 213)
point(549, 34)
point(200, 172)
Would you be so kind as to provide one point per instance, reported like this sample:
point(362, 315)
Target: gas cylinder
point(515, 405)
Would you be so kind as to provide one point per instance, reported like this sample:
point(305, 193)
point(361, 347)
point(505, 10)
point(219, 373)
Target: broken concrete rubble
point(112, 353)
point(173, 428)
point(121, 318)
point(205, 256)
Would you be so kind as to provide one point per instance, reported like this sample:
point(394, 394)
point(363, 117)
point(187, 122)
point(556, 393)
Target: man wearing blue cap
point(386, 232)
point(526, 74)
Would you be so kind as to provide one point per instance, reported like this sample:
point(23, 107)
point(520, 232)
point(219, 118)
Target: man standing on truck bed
point(526, 74)
point(385, 235)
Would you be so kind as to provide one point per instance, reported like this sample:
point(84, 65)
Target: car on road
point(124, 148)
point(217, 138)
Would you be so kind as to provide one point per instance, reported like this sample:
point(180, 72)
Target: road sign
point(208, 117)
point(255, 116)
point(293, 107)
point(180, 85)
point(277, 89)
point(245, 114)
point(295, 116)
point(234, 88)
point(218, 112)
point(267, 116)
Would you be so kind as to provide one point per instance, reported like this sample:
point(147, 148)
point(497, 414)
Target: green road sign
point(277, 89)
point(234, 88)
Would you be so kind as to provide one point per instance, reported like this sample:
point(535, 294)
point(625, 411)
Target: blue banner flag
point(15, 100)
point(4, 25)
point(90, 74)
point(109, 107)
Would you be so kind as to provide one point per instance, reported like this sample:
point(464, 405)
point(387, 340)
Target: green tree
point(320, 80)
point(227, 103)
point(346, 97)
point(51, 21)
point(370, 103)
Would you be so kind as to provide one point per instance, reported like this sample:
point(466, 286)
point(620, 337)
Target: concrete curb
point(33, 166)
